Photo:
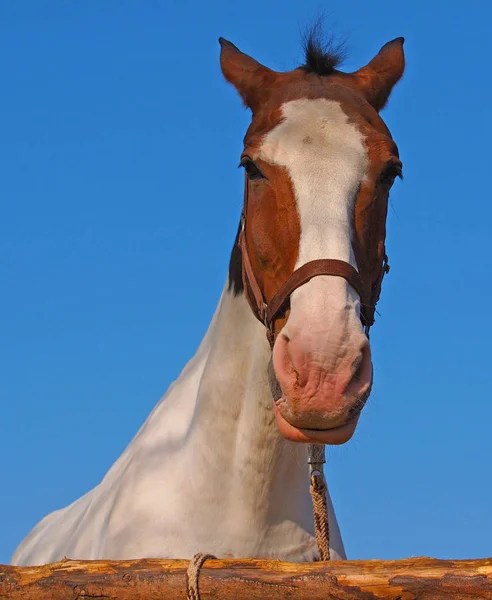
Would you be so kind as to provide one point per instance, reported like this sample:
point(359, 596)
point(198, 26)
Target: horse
point(219, 466)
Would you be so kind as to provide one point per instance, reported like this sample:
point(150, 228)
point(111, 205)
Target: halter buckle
point(386, 267)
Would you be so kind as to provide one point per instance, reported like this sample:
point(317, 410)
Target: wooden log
point(149, 579)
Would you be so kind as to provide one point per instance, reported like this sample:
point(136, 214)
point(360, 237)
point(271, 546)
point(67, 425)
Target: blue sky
point(120, 199)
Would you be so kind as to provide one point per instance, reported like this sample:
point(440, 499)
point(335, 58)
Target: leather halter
point(268, 312)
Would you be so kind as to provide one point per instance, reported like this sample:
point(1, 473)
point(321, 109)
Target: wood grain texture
point(149, 579)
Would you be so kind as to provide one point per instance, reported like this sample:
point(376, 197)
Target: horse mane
point(321, 55)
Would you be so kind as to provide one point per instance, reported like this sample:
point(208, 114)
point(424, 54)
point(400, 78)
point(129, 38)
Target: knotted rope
point(193, 574)
point(317, 487)
point(321, 525)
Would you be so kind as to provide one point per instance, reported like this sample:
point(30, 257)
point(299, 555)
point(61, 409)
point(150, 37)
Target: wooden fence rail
point(149, 579)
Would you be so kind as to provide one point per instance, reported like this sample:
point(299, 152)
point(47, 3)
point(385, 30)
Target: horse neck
point(232, 438)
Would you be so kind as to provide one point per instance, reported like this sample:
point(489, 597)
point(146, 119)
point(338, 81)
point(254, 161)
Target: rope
point(321, 524)
point(193, 574)
point(317, 487)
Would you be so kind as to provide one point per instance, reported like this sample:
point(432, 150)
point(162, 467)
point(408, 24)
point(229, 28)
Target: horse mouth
point(333, 436)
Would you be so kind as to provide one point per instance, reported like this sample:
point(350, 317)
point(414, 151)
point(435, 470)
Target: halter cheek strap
point(268, 312)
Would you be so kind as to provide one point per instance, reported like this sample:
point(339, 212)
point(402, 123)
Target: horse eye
point(251, 169)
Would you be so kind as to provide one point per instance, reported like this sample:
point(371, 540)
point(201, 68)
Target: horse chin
point(335, 436)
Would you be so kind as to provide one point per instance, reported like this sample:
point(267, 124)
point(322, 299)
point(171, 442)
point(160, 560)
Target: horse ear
point(377, 78)
point(250, 78)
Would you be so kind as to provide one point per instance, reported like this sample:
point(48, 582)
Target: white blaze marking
point(326, 159)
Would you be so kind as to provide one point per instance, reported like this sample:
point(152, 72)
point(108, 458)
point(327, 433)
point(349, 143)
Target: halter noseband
point(268, 312)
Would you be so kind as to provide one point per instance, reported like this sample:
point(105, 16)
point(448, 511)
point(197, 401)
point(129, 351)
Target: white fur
point(326, 159)
point(207, 472)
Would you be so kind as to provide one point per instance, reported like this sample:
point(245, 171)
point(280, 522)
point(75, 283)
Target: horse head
point(310, 254)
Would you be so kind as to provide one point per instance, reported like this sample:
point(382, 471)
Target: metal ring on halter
point(316, 459)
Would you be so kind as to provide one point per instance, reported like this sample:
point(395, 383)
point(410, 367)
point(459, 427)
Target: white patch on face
point(326, 159)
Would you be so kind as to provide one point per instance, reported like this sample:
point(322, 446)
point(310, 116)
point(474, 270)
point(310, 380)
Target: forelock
point(321, 55)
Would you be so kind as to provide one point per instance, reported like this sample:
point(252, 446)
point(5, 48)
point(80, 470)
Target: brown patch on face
point(272, 229)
